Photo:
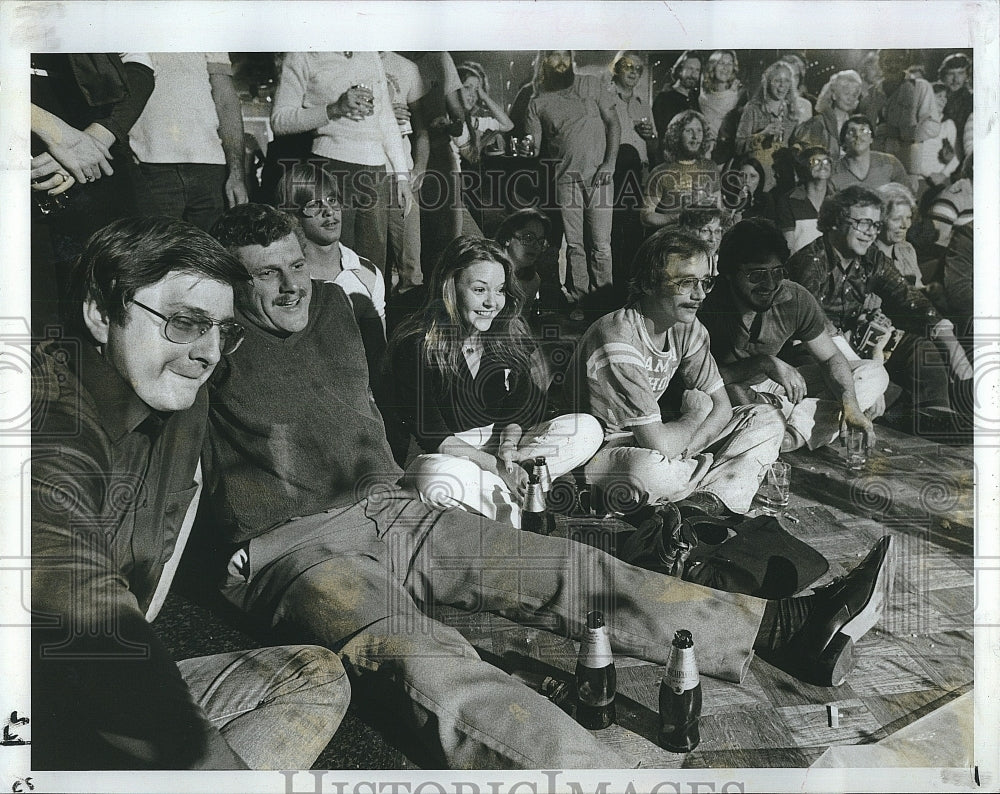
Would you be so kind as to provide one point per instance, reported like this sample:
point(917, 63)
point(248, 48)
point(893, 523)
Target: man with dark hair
point(862, 166)
point(755, 314)
point(326, 542)
point(622, 367)
point(682, 94)
point(860, 289)
point(956, 73)
point(118, 422)
point(574, 118)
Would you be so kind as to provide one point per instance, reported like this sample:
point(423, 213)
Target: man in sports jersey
point(712, 455)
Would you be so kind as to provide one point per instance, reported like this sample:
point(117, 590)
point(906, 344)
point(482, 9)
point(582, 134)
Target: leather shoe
point(703, 503)
point(822, 651)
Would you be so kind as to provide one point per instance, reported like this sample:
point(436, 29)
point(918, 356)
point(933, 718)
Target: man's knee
point(766, 420)
point(870, 382)
point(322, 670)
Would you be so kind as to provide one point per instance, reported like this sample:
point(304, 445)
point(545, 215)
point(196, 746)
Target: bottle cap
point(595, 619)
point(683, 639)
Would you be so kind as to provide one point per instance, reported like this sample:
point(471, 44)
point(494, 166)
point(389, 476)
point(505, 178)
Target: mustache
point(288, 300)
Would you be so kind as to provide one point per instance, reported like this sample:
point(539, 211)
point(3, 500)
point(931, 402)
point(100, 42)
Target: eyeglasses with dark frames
point(183, 329)
point(315, 207)
point(685, 286)
point(865, 225)
point(527, 238)
point(761, 274)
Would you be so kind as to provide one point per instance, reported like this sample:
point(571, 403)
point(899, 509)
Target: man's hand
point(85, 157)
point(787, 377)
point(854, 418)
point(48, 176)
point(236, 190)
point(696, 405)
point(605, 173)
point(402, 112)
point(644, 127)
point(404, 195)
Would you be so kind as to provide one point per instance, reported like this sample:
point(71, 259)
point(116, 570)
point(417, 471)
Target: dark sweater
point(434, 408)
point(293, 427)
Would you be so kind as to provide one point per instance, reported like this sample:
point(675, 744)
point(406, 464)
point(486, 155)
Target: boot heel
point(836, 661)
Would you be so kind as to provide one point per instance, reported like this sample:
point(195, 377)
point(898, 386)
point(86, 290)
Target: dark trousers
point(194, 192)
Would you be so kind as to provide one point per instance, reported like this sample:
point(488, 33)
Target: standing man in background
point(576, 116)
point(189, 139)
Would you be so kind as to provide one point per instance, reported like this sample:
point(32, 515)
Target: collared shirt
point(364, 284)
point(570, 124)
point(111, 482)
point(794, 315)
point(842, 286)
point(631, 110)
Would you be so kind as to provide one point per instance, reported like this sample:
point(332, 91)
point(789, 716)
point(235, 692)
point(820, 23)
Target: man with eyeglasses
point(325, 541)
point(637, 149)
point(713, 456)
point(119, 417)
point(852, 279)
point(755, 314)
point(862, 166)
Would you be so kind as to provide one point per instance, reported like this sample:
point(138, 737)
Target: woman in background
point(721, 94)
point(523, 237)
point(461, 370)
point(769, 118)
point(743, 189)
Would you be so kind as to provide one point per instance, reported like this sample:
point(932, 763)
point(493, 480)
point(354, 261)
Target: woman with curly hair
point(686, 178)
point(461, 370)
point(769, 118)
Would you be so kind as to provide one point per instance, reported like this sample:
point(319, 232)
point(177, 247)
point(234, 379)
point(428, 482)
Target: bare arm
point(840, 379)
point(227, 106)
point(689, 434)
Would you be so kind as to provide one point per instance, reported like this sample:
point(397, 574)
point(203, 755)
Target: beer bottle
point(596, 679)
point(542, 469)
point(534, 516)
point(680, 697)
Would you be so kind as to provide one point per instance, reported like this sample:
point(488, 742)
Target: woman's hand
point(515, 477)
point(356, 103)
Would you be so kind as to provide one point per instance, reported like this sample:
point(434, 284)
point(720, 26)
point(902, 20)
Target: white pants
point(815, 421)
point(731, 467)
point(566, 442)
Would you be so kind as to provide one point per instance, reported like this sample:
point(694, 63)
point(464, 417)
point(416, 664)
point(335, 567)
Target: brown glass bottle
point(534, 515)
point(680, 697)
point(596, 679)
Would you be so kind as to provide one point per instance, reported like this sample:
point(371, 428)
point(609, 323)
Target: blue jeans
point(365, 580)
point(194, 192)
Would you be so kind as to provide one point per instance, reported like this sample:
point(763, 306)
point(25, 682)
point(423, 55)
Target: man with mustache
point(118, 422)
point(323, 541)
point(712, 455)
point(680, 95)
point(573, 117)
point(754, 314)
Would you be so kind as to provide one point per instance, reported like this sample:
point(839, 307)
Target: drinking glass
point(774, 490)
